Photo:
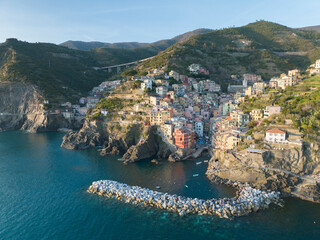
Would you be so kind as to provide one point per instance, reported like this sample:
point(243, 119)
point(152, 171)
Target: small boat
point(195, 175)
point(158, 187)
point(186, 186)
point(205, 161)
point(198, 163)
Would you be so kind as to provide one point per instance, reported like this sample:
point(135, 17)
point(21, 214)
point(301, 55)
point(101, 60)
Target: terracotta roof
point(276, 131)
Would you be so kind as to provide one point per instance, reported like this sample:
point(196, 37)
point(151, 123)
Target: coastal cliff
point(21, 108)
point(293, 171)
point(135, 141)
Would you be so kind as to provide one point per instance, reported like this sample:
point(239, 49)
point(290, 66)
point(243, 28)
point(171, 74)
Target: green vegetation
point(252, 124)
point(300, 103)
point(113, 56)
point(110, 104)
point(129, 73)
point(159, 45)
point(62, 74)
point(136, 84)
point(260, 48)
point(303, 106)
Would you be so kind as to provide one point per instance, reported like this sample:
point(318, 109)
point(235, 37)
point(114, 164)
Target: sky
point(57, 21)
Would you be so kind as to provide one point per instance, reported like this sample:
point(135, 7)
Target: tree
point(252, 124)
point(129, 73)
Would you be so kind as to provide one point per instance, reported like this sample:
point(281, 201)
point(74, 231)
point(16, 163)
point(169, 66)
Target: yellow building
point(256, 114)
point(154, 100)
point(159, 116)
point(248, 91)
point(227, 141)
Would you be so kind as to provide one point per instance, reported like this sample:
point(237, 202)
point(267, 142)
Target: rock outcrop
point(89, 136)
point(135, 141)
point(293, 171)
point(21, 108)
point(146, 148)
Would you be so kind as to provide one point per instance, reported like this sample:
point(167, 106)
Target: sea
point(43, 196)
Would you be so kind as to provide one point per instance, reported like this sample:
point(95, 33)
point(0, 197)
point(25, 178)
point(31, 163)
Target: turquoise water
point(43, 196)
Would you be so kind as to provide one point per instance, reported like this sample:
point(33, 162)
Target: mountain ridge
point(262, 47)
point(315, 28)
point(66, 74)
point(161, 44)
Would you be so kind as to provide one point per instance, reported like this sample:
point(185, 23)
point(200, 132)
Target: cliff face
point(135, 141)
point(89, 136)
point(21, 108)
point(294, 171)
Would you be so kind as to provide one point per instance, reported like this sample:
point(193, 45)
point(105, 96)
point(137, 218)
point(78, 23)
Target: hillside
point(113, 56)
point(159, 45)
point(311, 28)
point(62, 74)
point(300, 104)
point(262, 47)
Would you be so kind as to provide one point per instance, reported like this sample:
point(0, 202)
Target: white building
point(318, 64)
point(199, 128)
point(275, 136)
point(147, 84)
point(161, 90)
point(167, 129)
point(194, 68)
point(104, 112)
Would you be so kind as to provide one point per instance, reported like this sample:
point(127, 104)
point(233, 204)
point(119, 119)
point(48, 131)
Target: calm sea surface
point(43, 196)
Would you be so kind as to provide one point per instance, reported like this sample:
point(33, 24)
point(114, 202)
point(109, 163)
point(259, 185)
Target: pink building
point(68, 104)
point(188, 114)
point(271, 110)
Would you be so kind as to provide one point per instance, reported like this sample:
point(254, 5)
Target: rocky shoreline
point(135, 141)
point(247, 199)
point(296, 178)
point(21, 108)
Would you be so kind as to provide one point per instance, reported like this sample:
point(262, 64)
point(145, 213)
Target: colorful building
point(256, 114)
point(184, 138)
point(159, 115)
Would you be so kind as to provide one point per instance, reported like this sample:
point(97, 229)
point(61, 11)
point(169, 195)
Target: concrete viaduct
point(122, 66)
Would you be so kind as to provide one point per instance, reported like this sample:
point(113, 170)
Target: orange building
point(184, 138)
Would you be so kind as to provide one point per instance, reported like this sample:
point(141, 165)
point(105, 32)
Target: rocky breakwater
point(247, 199)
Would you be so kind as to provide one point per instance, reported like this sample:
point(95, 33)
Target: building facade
point(159, 116)
point(275, 136)
point(257, 114)
point(199, 129)
point(184, 138)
